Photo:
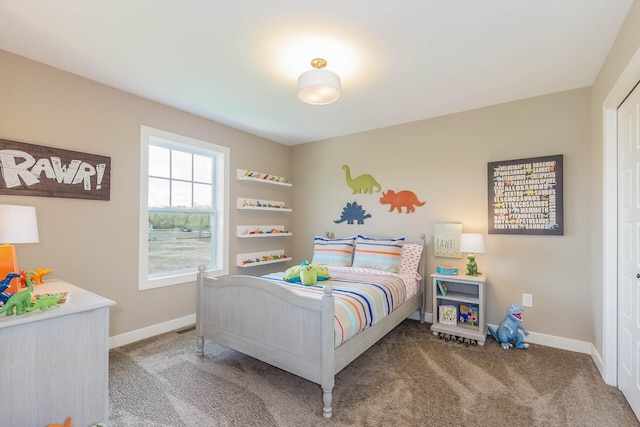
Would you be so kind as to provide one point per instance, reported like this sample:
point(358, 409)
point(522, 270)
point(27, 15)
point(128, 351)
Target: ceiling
point(237, 61)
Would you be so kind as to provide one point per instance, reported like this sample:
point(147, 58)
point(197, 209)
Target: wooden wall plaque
point(36, 170)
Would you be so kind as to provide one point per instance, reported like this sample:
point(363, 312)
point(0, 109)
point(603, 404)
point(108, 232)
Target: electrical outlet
point(527, 300)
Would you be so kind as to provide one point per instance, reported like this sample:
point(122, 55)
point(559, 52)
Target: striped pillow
point(338, 252)
point(380, 254)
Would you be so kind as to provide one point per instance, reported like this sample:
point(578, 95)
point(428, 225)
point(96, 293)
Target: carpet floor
point(409, 378)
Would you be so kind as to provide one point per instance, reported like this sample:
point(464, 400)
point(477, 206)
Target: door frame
point(623, 86)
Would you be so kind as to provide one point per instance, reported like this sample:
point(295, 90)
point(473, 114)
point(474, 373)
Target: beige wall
point(625, 46)
point(444, 161)
point(94, 244)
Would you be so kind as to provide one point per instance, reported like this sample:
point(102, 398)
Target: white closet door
point(628, 250)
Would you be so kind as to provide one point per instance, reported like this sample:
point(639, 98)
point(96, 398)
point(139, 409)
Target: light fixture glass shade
point(472, 243)
point(18, 224)
point(319, 86)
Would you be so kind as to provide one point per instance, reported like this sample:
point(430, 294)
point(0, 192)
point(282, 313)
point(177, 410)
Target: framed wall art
point(446, 240)
point(36, 170)
point(525, 196)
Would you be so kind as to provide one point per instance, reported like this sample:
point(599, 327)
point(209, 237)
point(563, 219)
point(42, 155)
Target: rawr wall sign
point(525, 196)
point(34, 170)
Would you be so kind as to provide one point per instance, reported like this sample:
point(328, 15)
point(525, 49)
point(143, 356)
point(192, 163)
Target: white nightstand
point(467, 291)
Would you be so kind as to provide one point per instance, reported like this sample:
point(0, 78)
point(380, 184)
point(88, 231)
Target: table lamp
point(472, 244)
point(18, 224)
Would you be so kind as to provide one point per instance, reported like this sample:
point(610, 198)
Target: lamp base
point(472, 267)
point(9, 264)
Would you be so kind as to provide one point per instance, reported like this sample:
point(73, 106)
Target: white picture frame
point(446, 240)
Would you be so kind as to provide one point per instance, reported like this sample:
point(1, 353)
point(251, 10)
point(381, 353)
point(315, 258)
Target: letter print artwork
point(525, 196)
point(35, 170)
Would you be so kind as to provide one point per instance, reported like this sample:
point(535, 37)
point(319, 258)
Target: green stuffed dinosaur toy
point(294, 274)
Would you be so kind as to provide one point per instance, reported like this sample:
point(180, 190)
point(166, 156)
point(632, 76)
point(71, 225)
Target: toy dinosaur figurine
point(45, 302)
point(508, 329)
point(6, 284)
point(21, 301)
point(36, 277)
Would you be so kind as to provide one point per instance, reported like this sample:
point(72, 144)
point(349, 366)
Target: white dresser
point(55, 363)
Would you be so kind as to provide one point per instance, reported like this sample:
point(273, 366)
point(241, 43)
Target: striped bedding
point(363, 297)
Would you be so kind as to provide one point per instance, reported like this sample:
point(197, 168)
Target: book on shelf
point(468, 314)
point(442, 287)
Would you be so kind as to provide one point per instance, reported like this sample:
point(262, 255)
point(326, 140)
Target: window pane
point(202, 169)
point(181, 194)
point(158, 193)
point(181, 165)
point(202, 196)
point(159, 161)
point(178, 241)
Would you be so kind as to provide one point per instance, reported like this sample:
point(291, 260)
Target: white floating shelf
point(253, 231)
point(248, 175)
point(262, 205)
point(261, 258)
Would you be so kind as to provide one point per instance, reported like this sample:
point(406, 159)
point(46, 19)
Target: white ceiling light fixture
point(319, 86)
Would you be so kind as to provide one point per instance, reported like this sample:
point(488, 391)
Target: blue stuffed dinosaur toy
point(508, 329)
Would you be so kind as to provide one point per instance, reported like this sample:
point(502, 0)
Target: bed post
point(423, 281)
point(328, 350)
point(200, 337)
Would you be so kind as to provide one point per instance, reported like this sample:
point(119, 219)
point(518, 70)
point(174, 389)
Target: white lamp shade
point(319, 87)
point(18, 224)
point(472, 243)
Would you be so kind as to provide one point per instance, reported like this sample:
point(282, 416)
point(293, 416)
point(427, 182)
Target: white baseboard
point(150, 331)
point(534, 337)
point(597, 359)
point(557, 342)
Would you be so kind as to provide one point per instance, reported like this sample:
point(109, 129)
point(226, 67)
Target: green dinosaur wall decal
point(364, 183)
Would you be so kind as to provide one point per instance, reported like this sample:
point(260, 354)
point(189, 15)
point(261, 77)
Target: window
point(183, 208)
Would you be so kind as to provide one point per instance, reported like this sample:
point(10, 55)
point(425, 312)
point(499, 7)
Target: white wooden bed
point(242, 312)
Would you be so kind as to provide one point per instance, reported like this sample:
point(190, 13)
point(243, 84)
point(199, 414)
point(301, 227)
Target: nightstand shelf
point(469, 292)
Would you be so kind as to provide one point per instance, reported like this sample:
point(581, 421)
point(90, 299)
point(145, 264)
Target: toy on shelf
point(508, 329)
point(469, 314)
point(448, 314)
point(5, 284)
point(260, 175)
point(264, 258)
point(36, 276)
point(20, 301)
point(45, 302)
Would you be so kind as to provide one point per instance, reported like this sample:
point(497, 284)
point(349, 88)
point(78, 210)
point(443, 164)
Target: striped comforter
point(362, 297)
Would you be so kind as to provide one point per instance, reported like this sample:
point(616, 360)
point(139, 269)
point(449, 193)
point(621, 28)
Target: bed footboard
point(271, 323)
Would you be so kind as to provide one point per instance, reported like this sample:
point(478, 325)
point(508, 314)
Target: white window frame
point(220, 266)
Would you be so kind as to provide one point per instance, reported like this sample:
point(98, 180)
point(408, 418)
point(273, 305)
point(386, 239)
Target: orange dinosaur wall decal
point(405, 198)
